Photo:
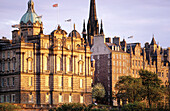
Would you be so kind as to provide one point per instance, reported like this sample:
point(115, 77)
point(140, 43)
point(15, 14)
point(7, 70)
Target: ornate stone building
point(44, 69)
point(115, 59)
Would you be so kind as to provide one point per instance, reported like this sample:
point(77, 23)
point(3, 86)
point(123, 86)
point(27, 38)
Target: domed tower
point(30, 23)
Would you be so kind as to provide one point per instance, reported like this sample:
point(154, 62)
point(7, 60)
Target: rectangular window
point(8, 66)
point(47, 98)
point(30, 81)
point(162, 74)
point(7, 99)
point(109, 56)
point(2, 82)
point(167, 74)
point(60, 83)
point(3, 55)
point(30, 65)
point(46, 81)
point(2, 98)
point(8, 54)
point(31, 98)
point(81, 99)
point(13, 53)
point(13, 81)
point(12, 98)
point(3, 67)
point(13, 66)
point(81, 83)
point(7, 82)
point(60, 98)
point(69, 82)
point(70, 98)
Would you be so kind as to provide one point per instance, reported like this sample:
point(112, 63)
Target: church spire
point(93, 14)
point(92, 26)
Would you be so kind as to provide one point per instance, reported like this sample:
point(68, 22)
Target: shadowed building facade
point(44, 69)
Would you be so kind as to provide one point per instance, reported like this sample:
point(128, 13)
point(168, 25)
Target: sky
point(122, 18)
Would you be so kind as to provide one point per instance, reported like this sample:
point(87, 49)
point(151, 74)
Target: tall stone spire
point(93, 14)
point(92, 26)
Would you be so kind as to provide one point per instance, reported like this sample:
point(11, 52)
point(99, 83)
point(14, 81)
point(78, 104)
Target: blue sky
point(123, 18)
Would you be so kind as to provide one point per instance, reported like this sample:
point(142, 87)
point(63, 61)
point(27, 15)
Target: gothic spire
point(101, 29)
point(93, 14)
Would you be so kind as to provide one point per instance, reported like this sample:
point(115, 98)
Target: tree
point(8, 107)
point(152, 86)
point(98, 92)
point(129, 88)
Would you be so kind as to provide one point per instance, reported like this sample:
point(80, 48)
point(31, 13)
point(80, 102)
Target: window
point(58, 63)
point(81, 83)
point(3, 55)
point(30, 65)
point(13, 66)
point(2, 82)
point(108, 70)
point(69, 82)
point(31, 98)
point(109, 56)
point(167, 74)
point(3, 67)
point(2, 98)
point(80, 68)
point(12, 98)
point(47, 98)
point(162, 74)
point(60, 98)
point(13, 53)
point(108, 78)
point(8, 66)
point(60, 84)
point(13, 81)
point(46, 63)
point(98, 57)
point(70, 98)
point(108, 63)
point(30, 81)
point(8, 54)
point(81, 99)
point(46, 81)
point(7, 99)
point(7, 82)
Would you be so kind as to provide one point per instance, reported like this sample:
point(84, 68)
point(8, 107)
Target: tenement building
point(44, 69)
point(115, 58)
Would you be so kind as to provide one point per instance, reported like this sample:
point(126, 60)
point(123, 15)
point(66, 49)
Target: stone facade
point(117, 58)
point(44, 69)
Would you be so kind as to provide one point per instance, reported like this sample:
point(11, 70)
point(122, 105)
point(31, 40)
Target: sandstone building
point(44, 69)
point(115, 58)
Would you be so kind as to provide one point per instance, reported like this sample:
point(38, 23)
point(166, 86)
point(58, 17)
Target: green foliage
point(152, 86)
point(71, 107)
point(8, 107)
point(136, 106)
point(129, 88)
point(98, 91)
point(81, 107)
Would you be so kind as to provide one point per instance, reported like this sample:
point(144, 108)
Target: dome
point(74, 33)
point(30, 15)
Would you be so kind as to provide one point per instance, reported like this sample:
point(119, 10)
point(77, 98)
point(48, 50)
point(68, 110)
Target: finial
point(101, 29)
point(74, 26)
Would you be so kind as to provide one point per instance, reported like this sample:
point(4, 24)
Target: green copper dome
point(30, 15)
